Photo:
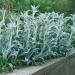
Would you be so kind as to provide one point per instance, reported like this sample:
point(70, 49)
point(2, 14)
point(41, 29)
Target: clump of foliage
point(66, 6)
point(31, 37)
point(21, 5)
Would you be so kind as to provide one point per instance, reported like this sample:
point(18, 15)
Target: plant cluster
point(31, 37)
point(21, 5)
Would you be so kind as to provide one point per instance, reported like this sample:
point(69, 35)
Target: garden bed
point(59, 66)
point(32, 38)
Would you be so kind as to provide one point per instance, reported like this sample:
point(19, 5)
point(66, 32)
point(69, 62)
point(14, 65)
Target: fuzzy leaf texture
point(35, 37)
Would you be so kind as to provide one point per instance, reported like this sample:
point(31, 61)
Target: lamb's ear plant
point(4, 50)
point(43, 36)
point(30, 39)
point(72, 36)
point(7, 52)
